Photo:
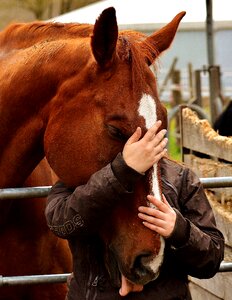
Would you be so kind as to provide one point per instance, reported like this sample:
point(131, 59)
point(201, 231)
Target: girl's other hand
point(142, 154)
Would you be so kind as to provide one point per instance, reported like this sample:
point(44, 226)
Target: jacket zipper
point(94, 284)
point(89, 286)
point(91, 283)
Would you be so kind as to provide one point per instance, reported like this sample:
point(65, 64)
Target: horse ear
point(161, 40)
point(104, 38)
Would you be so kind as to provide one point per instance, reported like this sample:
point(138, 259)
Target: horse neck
point(25, 107)
point(21, 149)
point(21, 141)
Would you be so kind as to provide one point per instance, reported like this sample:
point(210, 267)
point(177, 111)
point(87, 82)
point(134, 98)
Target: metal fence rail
point(27, 192)
point(42, 191)
point(62, 278)
point(216, 182)
point(33, 279)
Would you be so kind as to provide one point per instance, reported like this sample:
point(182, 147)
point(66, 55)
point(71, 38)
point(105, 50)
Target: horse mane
point(24, 35)
point(21, 35)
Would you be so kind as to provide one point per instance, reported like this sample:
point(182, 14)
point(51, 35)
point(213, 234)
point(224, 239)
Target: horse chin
point(142, 276)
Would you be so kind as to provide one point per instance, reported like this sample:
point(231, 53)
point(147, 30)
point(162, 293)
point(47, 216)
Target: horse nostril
point(140, 266)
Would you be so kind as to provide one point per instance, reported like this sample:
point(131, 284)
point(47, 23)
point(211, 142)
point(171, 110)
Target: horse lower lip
point(142, 276)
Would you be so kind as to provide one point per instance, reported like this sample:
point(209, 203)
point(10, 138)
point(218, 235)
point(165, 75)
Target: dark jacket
point(195, 248)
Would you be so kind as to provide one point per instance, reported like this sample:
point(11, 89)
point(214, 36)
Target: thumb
point(135, 136)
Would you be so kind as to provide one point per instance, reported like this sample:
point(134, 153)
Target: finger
point(160, 205)
point(158, 220)
point(135, 136)
point(148, 213)
point(152, 131)
point(160, 146)
point(157, 138)
point(155, 228)
point(153, 200)
point(160, 155)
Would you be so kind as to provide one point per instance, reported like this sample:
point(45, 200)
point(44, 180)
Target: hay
point(206, 129)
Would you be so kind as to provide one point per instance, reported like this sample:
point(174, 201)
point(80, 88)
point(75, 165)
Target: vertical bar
point(209, 30)
point(214, 86)
point(177, 99)
point(190, 74)
point(198, 97)
point(176, 87)
point(210, 51)
point(182, 148)
point(169, 74)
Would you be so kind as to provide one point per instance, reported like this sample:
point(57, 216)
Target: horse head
point(109, 92)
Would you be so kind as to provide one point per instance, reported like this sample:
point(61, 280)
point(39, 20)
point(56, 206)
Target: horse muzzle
point(139, 269)
point(142, 271)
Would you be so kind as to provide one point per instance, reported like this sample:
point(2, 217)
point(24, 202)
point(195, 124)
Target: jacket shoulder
point(171, 171)
point(177, 177)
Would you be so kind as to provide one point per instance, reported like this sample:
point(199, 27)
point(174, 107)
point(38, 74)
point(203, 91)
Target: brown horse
point(74, 93)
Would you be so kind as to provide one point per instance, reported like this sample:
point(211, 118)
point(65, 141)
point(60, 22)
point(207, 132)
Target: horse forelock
point(124, 49)
point(135, 44)
point(130, 51)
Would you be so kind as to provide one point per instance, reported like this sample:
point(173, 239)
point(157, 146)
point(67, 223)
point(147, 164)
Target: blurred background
point(28, 10)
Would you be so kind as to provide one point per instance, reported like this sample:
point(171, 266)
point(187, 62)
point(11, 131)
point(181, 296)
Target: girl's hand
point(142, 154)
point(161, 219)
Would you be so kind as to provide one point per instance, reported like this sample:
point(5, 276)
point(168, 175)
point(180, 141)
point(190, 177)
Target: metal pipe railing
point(225, 267)
point(42, 191)
point(216, 182)
point(33, 279)
point(62, 278)
point(27, 192)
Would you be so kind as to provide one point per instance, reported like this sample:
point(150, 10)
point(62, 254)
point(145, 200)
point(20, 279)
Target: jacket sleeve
point(80, 211)
point(197, 243)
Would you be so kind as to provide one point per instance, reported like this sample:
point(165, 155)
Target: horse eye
point(116, 133)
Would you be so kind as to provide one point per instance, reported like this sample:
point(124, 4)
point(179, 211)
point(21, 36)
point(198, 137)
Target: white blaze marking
point(147, 109)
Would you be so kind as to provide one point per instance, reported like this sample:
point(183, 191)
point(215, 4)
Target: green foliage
point(173, 144)
point(174, 150)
